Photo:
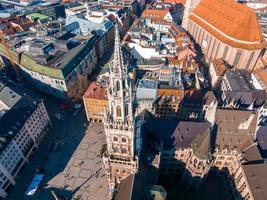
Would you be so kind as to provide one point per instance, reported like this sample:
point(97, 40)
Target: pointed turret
point(118, 67)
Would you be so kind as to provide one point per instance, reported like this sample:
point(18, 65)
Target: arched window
point(118, 85)
point(118, 110)
point(124, 140)
point(126, 110)
point(116, 149)
point(124, 150)
point(115, 139)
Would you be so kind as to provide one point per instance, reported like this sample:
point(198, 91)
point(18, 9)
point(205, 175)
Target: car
point(76, 112)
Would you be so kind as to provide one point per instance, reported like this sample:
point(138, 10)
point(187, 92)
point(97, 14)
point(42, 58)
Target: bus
point(34, 185)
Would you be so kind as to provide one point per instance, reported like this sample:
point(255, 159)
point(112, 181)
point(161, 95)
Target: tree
point(103, 150)
point(77, 87)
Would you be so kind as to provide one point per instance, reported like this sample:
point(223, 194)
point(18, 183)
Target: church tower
point(120, 159)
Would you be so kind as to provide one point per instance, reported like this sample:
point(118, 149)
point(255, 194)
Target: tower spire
point(118, 62)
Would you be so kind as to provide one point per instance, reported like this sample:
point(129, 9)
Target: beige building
point(228, 30)
point(24, 121)
point(95, 102)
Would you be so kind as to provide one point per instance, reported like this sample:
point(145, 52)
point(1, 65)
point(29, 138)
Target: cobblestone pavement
point(83, 175)
point(57, 154)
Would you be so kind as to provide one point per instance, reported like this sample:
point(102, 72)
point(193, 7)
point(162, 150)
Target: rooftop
point(96, 91)
point(155, 13)
point(235, 128)
point(38, 16)
point(257, 179)
point(231, 22)
point(239, 80)
point(149, 84)
point(186, 132)
point(19, 107)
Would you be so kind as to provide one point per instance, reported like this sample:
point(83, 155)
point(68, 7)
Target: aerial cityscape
point(133, 100)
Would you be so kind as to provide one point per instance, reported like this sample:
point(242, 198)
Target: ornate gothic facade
point(120, 159)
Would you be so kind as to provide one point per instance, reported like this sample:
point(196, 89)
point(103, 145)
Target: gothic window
point(124, 150)
point(118, 110)
point(126, 110)
point(123, 84)
point(116, 149)
point(124, 140)
point(115, 139)
point(118, 85)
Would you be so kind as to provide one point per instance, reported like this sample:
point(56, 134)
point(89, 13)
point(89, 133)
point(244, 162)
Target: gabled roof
point(155, 13)
point(257, 179)
point(231, 22)
point(202, 145)
point(235, 128)
point(186, 132)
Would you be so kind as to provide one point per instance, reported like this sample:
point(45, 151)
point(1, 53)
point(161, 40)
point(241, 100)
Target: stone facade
point(120, 158)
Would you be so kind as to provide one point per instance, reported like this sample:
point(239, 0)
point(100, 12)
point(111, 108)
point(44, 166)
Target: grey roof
point(257, 179)
point(239, 80)
point(246, 98)
point(262, 137)
point(161, 130)
point(22, 106)
point(252, 154)
point(186, 132)
point(9, 96)
point(235, 128)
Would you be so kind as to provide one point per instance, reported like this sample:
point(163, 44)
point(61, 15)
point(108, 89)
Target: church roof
point(230, 22)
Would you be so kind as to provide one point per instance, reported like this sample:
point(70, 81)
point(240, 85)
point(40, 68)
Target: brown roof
point(235, 128)
point(95, 91)
point(170, 92)
point(252, 153)
point(187, 131)
point(230, 21)
point(256, 175)
point(125, 188)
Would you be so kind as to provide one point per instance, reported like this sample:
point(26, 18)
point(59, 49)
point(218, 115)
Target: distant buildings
point(220, 35)
point(24, 121)
point(52, 62)
point(95, 102)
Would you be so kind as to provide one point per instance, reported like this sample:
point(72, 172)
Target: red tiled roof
point(155, 13)
point(95, 91)
point(231, 22)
